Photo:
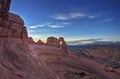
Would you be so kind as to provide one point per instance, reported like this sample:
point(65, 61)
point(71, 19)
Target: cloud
point(91, 17)
point(56, 26)
point(51, 25)
point(62, 17)
point(39, 25)
point(65, 23)
point(69, 16)
point(75, 15)
point(84, 41)
point(108, 20)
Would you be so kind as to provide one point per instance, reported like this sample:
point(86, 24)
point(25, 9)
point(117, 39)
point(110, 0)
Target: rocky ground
point(22, 58)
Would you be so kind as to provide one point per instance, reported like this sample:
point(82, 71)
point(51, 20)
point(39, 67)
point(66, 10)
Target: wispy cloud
point(39, 25)
point(91, 17)
point(56, 26)
point(108, 20)
point(76, 15)
point(51, 25)
point(84, 41)
point(65, 23)
point(69, 16)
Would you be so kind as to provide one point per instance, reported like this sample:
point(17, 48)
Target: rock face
point(14, 27)
point(4, 8)
point(52, 41)
point(30, 40)
point(11, 25)
point(40, 42)
point(63, 44)
point(16, 61)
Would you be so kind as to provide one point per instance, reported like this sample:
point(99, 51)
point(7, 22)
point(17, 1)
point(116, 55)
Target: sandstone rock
point(24, 33)
point(4, 8)
point(109, 69)
point(30, 40)
point(16, 19)
point(52, 41)
point(63, 44)
point(14, 27)
point(40, 42)
point(16, 61)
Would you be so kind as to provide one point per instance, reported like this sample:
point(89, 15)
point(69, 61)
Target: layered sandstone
point(52, 41)
point(40, 42)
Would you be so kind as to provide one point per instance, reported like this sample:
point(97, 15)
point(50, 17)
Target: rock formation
point(20, 60)
point(16, 27)
point(4, 8)
point(16, 61)
point(40, 42)
point(30, 40)
point(11, 25)
point(63, 44)
point(52, 41)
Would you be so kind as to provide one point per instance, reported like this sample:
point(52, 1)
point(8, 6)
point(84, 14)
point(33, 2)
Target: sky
point(75, 20)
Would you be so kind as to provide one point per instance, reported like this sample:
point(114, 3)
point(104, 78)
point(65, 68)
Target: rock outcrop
point(4, 8)
point(63, 44)
point(52, 41)
point(11, 25)
point(40, 42)
point(16, 61)
point(14, 27)
point(30, 40)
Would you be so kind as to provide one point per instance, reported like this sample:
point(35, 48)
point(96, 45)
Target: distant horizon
point(77, 21)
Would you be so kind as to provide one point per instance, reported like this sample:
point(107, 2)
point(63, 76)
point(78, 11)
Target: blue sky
point(72, 19)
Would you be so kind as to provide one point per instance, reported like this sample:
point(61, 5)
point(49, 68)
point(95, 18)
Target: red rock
point(63, 44)
point(52, 41)
point(109, 69)
point(24, 33)
point(4, 8)
point(40, 42)
point(30, 40)
point(16, 61)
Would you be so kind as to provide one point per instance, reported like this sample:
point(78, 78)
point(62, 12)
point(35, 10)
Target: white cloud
point(56, 26)
point(108, 20)
point(51, 25)
point(65, 23)
point(75, 15)
point(84, 41)
point(62, 17)
point(39, 25)
point(91, 17)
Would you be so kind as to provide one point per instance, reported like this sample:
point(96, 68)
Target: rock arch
point(62, 44)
